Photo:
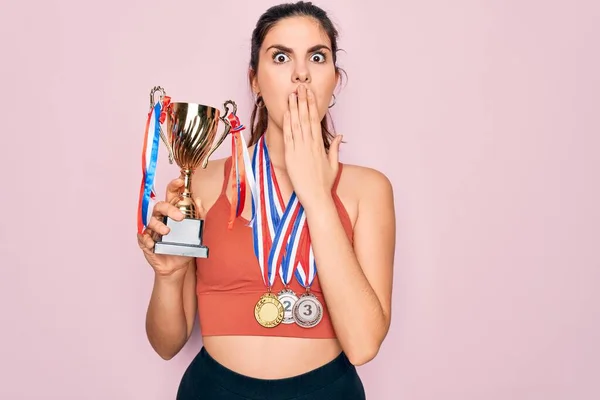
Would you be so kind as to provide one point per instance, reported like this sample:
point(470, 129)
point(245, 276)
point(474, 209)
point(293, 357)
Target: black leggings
point(206, 379)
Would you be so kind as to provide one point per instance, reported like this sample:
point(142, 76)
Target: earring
point(259, 102)
point(334, 101)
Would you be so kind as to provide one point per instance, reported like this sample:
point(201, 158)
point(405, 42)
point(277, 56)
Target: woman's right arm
point(172, 307)
point(172, 310)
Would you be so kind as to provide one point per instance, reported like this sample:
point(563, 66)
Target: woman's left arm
point(357, 279)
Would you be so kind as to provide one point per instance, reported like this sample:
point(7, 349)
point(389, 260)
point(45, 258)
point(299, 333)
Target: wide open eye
point(318, 58)
point(280, 57)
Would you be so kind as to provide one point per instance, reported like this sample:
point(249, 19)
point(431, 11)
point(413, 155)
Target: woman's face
point(296, 51)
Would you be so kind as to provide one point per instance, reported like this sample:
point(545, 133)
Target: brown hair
point(259, 117)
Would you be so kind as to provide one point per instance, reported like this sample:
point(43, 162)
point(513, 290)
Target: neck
point(274, 140)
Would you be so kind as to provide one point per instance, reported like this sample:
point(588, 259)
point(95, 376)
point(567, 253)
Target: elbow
point(363, 354)
point(164, 351)
point(166, 355)
point(168, 352)
point(366, 350)
point(166, 348)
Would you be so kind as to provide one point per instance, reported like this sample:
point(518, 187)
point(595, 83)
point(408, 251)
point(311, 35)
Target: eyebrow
point(288, 50)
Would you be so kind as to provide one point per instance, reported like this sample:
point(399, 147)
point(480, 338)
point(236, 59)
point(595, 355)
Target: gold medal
point(269, 311)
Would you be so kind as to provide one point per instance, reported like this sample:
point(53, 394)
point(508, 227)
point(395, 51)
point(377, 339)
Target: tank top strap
point(337, 178)
point(226, 172)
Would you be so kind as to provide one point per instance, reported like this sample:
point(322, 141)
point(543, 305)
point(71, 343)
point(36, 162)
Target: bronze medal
point(308, 311)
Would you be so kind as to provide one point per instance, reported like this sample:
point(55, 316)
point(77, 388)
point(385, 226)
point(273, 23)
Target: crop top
point(229, 281)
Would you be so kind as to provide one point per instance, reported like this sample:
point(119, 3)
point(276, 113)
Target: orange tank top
point(229, 281)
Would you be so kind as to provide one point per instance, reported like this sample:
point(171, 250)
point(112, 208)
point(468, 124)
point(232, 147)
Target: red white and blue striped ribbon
point(239, 172)
point(277, 232)
point(306, 269)
point(147, 195)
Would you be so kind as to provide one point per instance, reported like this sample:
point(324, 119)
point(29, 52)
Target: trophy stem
point(186, 205)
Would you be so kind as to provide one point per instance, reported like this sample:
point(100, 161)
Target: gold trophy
point(191, 139)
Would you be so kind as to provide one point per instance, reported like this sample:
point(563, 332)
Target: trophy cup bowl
point(191, 139)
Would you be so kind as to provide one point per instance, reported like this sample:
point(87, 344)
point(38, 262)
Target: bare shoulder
point(364, 182)
point(363, 190)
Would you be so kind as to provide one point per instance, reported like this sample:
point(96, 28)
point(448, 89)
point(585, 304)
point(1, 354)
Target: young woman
point(296, 330)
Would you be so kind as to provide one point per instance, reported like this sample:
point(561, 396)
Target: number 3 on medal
point(308, 310)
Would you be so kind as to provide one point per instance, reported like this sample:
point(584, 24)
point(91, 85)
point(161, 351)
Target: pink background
point(484, 114)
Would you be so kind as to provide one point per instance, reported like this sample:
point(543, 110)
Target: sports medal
point(308, 310)
point(288, 298)
point(269, 310)
point(277, 237)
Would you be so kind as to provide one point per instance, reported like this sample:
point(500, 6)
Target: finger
point(313, 112)
point(174, 200)
point(145, 242)
point(162, 208)
point(288, 139)
point(158, 226)
point(295, 120)
point(151, 233)
point(334, 152)
point(140, 239)
point(303, 113)
point(173, 189)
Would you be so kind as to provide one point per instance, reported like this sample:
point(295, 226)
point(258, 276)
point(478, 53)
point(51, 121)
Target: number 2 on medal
point(288, 305)
point(308, 310)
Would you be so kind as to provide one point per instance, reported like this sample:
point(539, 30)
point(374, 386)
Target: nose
point(301, 74)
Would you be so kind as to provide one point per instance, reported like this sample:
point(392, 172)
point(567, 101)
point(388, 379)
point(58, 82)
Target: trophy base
point(184, 239)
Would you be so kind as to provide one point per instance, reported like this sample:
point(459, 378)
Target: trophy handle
point(226, 131)
point(161, 132)
point(166, 142)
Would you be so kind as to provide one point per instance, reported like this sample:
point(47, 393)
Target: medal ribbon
point(280, 230)
point(306, 270)
point(147, 195)
point(240, 159)
point(260, 223)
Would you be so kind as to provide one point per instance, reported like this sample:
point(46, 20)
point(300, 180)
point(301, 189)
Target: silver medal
point(288, 298)
point(308, 311)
